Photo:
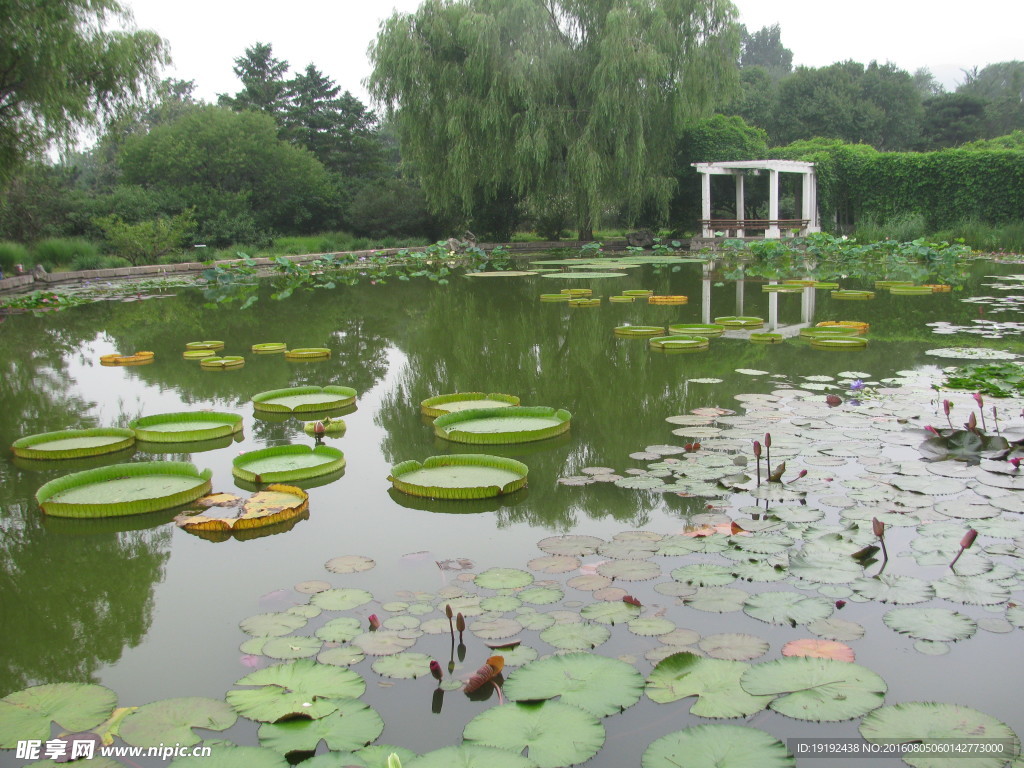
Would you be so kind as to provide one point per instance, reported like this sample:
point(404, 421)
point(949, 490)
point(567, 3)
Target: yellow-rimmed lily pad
point(308, 353)
point(439, 405)
point(222, 363)
point(459, 476)
point(269, 347)
point(494, 426)
point(282, 463)
point(205, 345)
point(73, 443)
point(304, 399)
point(274, 505)
point(186, 426)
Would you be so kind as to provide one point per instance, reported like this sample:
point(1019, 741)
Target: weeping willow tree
point(579, 100)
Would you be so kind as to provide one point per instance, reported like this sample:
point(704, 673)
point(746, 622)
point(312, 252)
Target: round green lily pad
point(352, 725)
point(600, 685)
point(493, 426)
point(186, 426)
point(124, 489)
point(583, 275)
point(822, 690)
point(287, 462)
point(73, 443)
point(551, 734)
point(459, 476)
point(717, 746)
point(679, 342)
point(853, 295)
point(740, 322)
point(28, 714)
point(697, 329)
point(272, 347)
point(204, 345)
point(639, 330)
point(222, 363)
point(304, 399)
point(503, 578)
point(171, 721)
point(838, 342)
point(473, 756)
point(198, 354)
point(307, 353)
point(460, 401)
point(715, 683)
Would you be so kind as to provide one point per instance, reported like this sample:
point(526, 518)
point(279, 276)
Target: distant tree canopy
point(508, 100)
point(61, 69)
point(764, 49)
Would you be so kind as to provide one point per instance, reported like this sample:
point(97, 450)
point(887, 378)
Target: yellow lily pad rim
point(307, 353)
point(205, 345)
point(740, 322)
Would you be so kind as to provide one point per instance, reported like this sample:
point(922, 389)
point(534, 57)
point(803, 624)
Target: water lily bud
point(968, 539)
point(877, 527)
point(448, 611)
point(802, 473)
point(978, 400)
point(933, 430)
point(1015, 462)
point(319, 429)
point(757, 450)
point(946, 406)
point(972, 422)
point(840, 604)
point(435, 670)
point(767, 440)
point(833, 400)
point(394, 761)
point(460, 623)
point(374, 621)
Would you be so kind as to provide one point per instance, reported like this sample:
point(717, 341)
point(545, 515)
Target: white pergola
point(773, 225)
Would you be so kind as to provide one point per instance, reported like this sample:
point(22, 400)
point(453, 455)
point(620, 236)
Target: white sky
point(942, 35)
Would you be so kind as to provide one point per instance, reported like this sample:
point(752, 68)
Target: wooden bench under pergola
point(773, 227)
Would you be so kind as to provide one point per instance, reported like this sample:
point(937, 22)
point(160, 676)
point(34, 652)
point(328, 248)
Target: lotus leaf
point(495, 629)
point(651, 627)
point(837, 629)
point(472, 756)
point(932, 722)
point(500, 603)
point(972, 590)
point(349, 564)
point(715, 682)
point(502, 425)
point(936, 624)
point(343, 599)
point(733, 646)
point(541, 595)
point(383, 642)
point(575, 545)
point(787, 608)
point(503, 578)
point(704, 575)
point(575, 636)
point(345, 656)
point(889, 588)
point(960, 445)
point(816, 689)
point(354, 724)
point(404, 666)
point(600, 685)
point(551, 734)
point(171, 721)
point(554, 564)
point(717, 746)
point(629, 570)
point(27, 714)
point(272, 624)
point(341, 630)
point(292, 647)
point(276, 504)
point(299, 688)
point(284, 463)
point(717, 599)
point(73, 443)
point(374, 756)
point(819, 649)
point(610, 612)
point(536, 621)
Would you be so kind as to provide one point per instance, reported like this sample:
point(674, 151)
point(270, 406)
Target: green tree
point(264, 87)
point(509, 99)
point(232, 167)
point(756, 99)
point(147, 241)
point(1001, 85)
point(62, 69)
point(764, 48)
point(951, 119)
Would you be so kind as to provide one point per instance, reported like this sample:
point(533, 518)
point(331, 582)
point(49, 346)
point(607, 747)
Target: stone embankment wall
point(50, 280)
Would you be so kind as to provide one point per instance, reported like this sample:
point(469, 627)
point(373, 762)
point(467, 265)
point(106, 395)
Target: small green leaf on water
point(718, 746)
point(821, 690)
point(171, 721)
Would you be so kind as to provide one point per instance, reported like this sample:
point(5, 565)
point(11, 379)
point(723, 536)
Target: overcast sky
point(945, 36)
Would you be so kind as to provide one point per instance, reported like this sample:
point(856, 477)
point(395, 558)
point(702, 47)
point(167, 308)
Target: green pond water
point(153, 612)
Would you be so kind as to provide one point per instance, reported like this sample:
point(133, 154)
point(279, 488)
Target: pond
point(152, 611)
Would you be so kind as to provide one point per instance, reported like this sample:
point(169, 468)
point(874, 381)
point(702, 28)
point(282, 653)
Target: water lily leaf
point(404, 666)
point(932, 722)
point(383, 642)
point(717, 599)
point(837, 629)
point(171, 721)
point(931, 486)
point(535, 621)
point(27, 714)
point(629, 570)
point(627, 550)
point(272, 624)
point(299, 688)
point(312, 587)
point(600, 685)
point(759, 571)
point(554, 564)
point(937, 624)
point(715, 682)
point(473, 756)
point(651, 626)
point(573, 545)
point(819, 649)
point(341, 599)
point(787, 608)
point(733, 646)
point(292, 647)
point(673, 546)
point(972, 590)
point(494, 629)
point(341, 630)
point(541, 595)
point(816, 689)
point(610, 612)
point(503, 578)
point(305, 611)
point(588, 582)
point(575, 636)
point(717, 746)
point(374, 756)
point(349, 564)
point(552, 734)
point(401, 623)
point(890, 588)
point(353, 725)
point(345, 656)
point(704, 575)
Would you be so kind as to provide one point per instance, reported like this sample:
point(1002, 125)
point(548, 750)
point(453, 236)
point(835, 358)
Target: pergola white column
point(809, 193)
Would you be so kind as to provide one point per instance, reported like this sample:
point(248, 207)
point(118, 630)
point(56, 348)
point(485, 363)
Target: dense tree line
point(500, 115)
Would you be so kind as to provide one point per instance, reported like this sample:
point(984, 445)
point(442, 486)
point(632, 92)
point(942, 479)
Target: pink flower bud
point(972, 422)
point(933, 430)
point(435, 670)
point(1015, 462)
point(840, 604)
point(833, 400)
point(877, 527)
point(374, 621)
point(978, 400)
point(767, 440)
point(947, 405)
point(757, 450)
point(319, 429)
point(968, 539)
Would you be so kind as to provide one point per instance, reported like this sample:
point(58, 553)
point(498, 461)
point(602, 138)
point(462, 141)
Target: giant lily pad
point(494, 426)
point(352, 725)
point(171, 721)
point(73, 443)
point(123, 489)
point(439, 405)
point(600, 685)
point(920, 722)
point(717, 746)
point(274, 505)
point(459, 476)
point(715, 682)
point(550, 733)
point(28, 714)
point(300, 688)
point(816, 689)
point(304, 399)
point(284, 463)
point(186, 426)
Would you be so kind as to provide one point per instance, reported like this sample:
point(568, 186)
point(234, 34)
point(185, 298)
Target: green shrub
point(95, 261)
point(11, 254)
point(902, 229)
point(1008, 238)
point(59, 252)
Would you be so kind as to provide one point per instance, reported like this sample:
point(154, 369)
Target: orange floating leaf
point(818, 649)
